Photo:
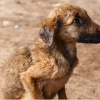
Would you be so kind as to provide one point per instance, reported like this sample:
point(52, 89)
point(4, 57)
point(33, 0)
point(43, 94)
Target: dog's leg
point(41, 70)
point(62, 94)
point(31, 86)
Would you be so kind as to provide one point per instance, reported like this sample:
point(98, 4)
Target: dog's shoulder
point(41, 52)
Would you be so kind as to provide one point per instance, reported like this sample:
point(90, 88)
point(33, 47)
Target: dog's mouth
point(89, 38)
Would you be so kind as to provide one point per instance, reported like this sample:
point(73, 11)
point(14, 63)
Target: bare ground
point(28, 14)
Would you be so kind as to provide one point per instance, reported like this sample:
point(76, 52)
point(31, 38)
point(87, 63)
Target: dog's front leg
point(30, 79)
point(31, 86)
point(62, 93)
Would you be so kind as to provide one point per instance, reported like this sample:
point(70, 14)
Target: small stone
point(55, 5)
point(7, 23)
point(16, 26)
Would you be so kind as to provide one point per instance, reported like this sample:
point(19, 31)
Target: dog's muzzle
point(89, 38)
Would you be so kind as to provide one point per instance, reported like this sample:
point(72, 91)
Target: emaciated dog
point(41, 69)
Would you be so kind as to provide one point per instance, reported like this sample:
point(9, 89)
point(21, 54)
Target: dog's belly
point(53, 86)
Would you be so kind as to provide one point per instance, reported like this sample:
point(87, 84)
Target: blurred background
point(19, 24)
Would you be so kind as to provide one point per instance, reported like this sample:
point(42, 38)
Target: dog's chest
point(61, 68)
point(58, 65)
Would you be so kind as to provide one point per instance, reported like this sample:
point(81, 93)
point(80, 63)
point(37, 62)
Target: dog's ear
point(48, 28)
point(46, 35)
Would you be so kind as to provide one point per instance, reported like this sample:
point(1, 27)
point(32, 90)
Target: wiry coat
point(41, 69)
point(51, 62)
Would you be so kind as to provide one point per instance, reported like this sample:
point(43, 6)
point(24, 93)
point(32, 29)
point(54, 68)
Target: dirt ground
point(28, 14)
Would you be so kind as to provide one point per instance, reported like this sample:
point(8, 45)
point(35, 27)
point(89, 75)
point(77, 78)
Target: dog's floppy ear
point(48, 27)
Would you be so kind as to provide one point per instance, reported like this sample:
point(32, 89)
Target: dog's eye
point(77, 20)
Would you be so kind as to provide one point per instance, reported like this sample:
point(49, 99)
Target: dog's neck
point(64, 53)
point(68, 50)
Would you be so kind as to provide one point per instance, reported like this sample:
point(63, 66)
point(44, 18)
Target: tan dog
point(41, 69)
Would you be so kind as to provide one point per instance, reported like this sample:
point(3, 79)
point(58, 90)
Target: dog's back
point(18, 63)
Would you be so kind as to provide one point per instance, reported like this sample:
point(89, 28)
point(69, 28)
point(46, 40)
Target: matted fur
point(41, 69)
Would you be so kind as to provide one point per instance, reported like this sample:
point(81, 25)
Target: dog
point(40, 69)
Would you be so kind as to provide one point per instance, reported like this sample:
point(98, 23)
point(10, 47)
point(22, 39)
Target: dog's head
point(70, 23)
